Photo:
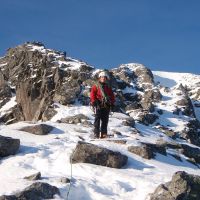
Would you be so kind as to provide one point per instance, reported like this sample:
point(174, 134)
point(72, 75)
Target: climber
point(102, 99)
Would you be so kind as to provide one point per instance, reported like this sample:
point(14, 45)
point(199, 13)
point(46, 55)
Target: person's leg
point(104, 120)
point(97, 123)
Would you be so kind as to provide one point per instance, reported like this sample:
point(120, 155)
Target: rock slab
point(90, 153)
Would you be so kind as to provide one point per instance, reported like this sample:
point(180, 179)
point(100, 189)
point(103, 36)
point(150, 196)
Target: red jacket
point(95, 93)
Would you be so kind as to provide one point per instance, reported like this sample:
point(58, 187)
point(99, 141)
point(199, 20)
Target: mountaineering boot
point(103, 135)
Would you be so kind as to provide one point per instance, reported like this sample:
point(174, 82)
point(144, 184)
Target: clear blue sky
point(161, 34)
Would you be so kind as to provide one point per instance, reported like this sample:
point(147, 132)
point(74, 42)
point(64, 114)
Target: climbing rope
point(70, 183)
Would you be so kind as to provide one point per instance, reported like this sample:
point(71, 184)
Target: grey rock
point(10, 197)
point(38, 190)
point(90, 153)
point(182, 186)
point(12, 115)
point(144, 74)
point(147, 118)
point(133, 105)
point(169, 132)
point(8, 146)
point(192, 132)
point(80, 118)
point(48, 114)
point(33, 177)
point(129, 122)
point(147, 150)
point(144, 151)
point(40, 129)
point(191, 152)
point(185, 102)
point(153, 94)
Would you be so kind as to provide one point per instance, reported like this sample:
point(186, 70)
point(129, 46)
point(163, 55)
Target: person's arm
point(93, 94)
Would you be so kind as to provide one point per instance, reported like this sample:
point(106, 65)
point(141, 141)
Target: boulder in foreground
point(36, 191)
point(8, 146)
point(182, 186)
point(90, 153)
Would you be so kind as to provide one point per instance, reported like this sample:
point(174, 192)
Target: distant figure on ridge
point(102, 100)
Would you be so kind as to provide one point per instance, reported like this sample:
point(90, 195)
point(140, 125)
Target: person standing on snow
point(102, 99)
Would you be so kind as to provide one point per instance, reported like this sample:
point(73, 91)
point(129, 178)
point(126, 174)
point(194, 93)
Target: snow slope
point(170, 79)
point(50, 154)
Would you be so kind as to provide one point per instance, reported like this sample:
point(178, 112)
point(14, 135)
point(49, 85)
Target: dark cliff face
point(39, 77)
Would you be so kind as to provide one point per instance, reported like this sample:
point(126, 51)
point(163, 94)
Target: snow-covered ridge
point(170, 79)
point(65, 62)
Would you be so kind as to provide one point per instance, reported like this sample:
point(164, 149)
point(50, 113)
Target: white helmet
point(104, 73)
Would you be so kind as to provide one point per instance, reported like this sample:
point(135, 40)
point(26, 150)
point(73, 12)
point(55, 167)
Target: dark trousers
point(101, 118)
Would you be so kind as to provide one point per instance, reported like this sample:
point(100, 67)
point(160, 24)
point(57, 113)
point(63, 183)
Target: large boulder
point(148, 150)
point(8, 146)
point(182, 186)
point(90, 153)
point(40, 129)
point(36, 191)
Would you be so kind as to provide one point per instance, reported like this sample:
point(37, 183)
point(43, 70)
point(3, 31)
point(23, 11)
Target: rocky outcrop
point(182, 186)
point(169, 132)
point(184, 102)
point(5, 94)
point(35, 191)
point(8, 146)
point(144, 151)
point(90, 153)
point(41, 77)
point(192, 132)
point(12, 115)
point(147, 150)
point(149, 97)
point(147, 118)
point(191, 152)
point(40, 129)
